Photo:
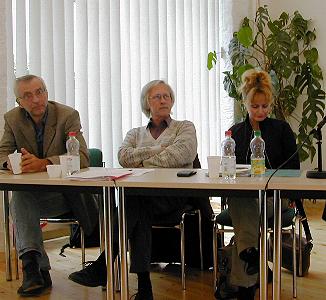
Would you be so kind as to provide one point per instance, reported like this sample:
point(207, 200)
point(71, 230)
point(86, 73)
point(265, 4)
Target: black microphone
point(317, 131)
point(321, 123)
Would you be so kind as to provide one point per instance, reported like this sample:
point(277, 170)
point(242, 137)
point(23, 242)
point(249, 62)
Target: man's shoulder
point(182, 123)
point(13, 113)
point(60, 107)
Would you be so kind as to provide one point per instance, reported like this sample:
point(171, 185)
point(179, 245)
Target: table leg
point(108, 217)
point(123, 245)
point(5, 201)
point(263, 246)
point(277, 246)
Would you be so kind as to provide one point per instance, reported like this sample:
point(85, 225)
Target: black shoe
point(93, 275)
point(47, 279)
point(37, 292)
point(144, 294)
point(246, 293)
point(32, 277)
point(251, 257)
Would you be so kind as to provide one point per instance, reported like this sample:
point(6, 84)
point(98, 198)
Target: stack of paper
point(243, 170)
point(100, 174)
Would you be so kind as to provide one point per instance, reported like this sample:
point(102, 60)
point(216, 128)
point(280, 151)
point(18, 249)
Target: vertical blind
point(95, 55)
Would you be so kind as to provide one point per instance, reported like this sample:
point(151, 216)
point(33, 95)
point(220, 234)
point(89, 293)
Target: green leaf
point(299, 26)
point(262, 18)
point(244, 68)
point(284, 18)
point(317, 72)
point(237, 52)
point(245, 36)
point(311, 55)
point(245, 22)
point(211, 60)
point(288, 98)
point(278, 49)
point(309, 37)
point(230, 87)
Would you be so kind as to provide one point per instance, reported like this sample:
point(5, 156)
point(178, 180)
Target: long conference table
point(166, 182)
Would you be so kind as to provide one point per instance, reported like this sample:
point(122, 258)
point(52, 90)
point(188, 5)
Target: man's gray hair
point(27, 78)
point(144, 95)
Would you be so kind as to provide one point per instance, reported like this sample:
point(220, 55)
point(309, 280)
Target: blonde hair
point(254, 82)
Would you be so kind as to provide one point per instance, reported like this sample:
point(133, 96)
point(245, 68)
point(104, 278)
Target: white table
point(166, 182)
point(41, 182)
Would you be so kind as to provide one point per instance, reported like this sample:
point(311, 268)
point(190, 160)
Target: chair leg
point(294, 261)
point(16, 260)
point(183, 275)
point(117, 282)
point(300, 248)
point(82, 245)
point(215, 232)
point(101, 224)
point(200, 240)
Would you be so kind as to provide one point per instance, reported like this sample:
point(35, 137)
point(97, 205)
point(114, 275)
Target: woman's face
point(160, 101)
point(259, 108)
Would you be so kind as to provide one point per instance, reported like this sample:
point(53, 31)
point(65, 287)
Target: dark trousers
point(140, 215)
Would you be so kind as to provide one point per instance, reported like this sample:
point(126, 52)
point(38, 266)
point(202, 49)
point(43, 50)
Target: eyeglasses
point(29, 95)
point(158, 97)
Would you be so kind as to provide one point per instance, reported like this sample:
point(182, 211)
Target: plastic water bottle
point(257, 146)
point(228, 156)
point(73, 161)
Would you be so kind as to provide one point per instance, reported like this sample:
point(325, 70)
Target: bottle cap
point(228, 133)
point(72, 133)
point(257, 133)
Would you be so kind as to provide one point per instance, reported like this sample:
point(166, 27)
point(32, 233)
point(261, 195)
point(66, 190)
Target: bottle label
point(228, 166)
point(257, 166)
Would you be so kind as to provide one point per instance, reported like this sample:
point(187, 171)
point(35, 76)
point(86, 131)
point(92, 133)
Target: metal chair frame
point(181, 227)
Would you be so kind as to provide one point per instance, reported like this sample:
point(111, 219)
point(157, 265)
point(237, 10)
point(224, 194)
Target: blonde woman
point(280, 144)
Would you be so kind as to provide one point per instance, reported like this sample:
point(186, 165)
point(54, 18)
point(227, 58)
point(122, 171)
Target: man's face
point(33, 98)
point(160, 101)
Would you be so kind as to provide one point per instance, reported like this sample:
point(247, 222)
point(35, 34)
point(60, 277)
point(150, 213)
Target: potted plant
point(282, 47)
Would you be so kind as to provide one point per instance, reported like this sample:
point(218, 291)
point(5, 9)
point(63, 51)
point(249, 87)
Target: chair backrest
point(95, 157)
point(196, 163)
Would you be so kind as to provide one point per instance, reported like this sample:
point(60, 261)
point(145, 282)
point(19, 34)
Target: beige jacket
point(19, 133)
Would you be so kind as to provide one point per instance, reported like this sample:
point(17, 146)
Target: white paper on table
point(140, 171)
point(100, 174)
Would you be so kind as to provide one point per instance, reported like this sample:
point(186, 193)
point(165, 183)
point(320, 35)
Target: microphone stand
point(320, 173)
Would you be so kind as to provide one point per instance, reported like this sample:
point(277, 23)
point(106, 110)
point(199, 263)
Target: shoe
point(94, 274)
point(251, 257)
point(47, 279)
point(37, 292)
point(144, 294)
point(32, 277)
point(246, 293)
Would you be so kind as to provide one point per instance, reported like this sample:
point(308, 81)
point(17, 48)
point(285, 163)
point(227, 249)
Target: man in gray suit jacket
point(38, 128)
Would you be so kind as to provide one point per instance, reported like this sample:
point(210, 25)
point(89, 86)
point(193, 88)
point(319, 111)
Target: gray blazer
point(19, 133)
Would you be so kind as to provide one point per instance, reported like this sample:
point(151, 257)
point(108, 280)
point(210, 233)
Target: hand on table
point(30, 163)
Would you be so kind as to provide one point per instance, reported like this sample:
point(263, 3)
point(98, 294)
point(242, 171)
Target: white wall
point(314, 10)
